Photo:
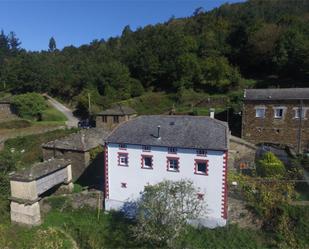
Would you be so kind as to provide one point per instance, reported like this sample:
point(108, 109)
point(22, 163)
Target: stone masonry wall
point(79, 160)
point(5, 111)
point(272, 130)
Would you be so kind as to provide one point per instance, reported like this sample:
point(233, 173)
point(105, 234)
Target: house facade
point(112, 117)
point(150, 149)
point(277, 116)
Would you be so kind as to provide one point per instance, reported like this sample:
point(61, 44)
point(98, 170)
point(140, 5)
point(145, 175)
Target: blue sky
point(79, 22)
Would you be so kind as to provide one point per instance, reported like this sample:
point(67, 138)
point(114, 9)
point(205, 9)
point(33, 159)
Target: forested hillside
point(212, 52)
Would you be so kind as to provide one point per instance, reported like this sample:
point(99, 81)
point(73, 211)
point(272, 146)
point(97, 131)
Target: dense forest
point(213, 52)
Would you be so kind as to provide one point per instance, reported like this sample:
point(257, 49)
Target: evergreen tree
point(52, 45)
point(14, 42)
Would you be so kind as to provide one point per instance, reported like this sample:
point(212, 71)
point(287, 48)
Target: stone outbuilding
point(78, 147)
point(6, 109)
point(28, 185)
point(110, 118)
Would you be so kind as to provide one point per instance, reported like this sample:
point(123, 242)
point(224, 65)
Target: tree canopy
point(210, 52)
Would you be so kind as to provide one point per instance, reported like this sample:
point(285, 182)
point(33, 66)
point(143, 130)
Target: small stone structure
point(29, 184)
point(110, 118)
point(75, 147)
point(6, 109)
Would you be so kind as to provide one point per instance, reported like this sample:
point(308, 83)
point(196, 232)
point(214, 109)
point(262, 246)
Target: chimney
point(158, 136)
point(212, 112)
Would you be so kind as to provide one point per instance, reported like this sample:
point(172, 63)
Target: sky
point(77, 22)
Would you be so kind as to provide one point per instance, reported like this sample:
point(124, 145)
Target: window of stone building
point(298, 112)
point(279, 112)
point(104, 119)
point(260, 112)
point(116, 119)
point(146, 162)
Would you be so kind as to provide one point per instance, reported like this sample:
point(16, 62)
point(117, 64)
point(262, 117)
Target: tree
point(29, 105)
point(52, 45)
point(14, 42)
point(270, 166)
point(164, 210)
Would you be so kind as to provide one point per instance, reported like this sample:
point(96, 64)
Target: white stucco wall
point(135, 177)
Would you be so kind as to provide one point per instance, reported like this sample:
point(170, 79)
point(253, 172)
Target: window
point(124, 185)
point(201, 167)
point(123, 159)
point(104, 119)
point(146, 162)
point(116, 119)
point(122, 146)
point(172, 150)
point(201, 152)
point(146, 148)
point(298, 114)
point(260, 112)
point(279, 112)
point(200, 196)
point(172, 164)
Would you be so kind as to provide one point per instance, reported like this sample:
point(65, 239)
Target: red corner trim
point(196, 161)
point(224, 187)
point(106, 182)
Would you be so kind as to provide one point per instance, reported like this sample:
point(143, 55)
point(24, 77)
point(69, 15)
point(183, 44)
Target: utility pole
point(300, 126)
point(89, 103)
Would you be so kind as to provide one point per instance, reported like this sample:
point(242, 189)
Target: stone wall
point(241, 152)
point(283, 131)
point(5, 111)
point(79, 160)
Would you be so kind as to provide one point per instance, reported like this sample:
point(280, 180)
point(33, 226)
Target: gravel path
point(72, 121)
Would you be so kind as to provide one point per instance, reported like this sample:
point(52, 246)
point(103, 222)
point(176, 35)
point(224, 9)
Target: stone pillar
point(27, 214)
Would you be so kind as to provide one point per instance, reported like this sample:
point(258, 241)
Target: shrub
point(270, 166)
point(164, 210)
point(29, 105)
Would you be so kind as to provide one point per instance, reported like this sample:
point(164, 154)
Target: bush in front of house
point(29, 105)
point(270, 166)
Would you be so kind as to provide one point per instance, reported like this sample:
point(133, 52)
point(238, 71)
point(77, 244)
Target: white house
point(149, 149)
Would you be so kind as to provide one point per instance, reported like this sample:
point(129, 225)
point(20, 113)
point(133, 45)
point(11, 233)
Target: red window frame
point(120, 154)
point(168, 164)
point(143, 161)
point(196, 161)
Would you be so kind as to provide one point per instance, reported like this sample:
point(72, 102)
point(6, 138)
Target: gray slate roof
point(277, 94)
point(83, 140)
point(39, 170)
point(175, 131)
point(118, 110)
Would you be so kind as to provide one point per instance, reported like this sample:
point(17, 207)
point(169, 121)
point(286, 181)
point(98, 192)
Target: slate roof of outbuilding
point(277, 94)
point(39, 170)
point(175, 131)
point(83, 140)
point(118, 110)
